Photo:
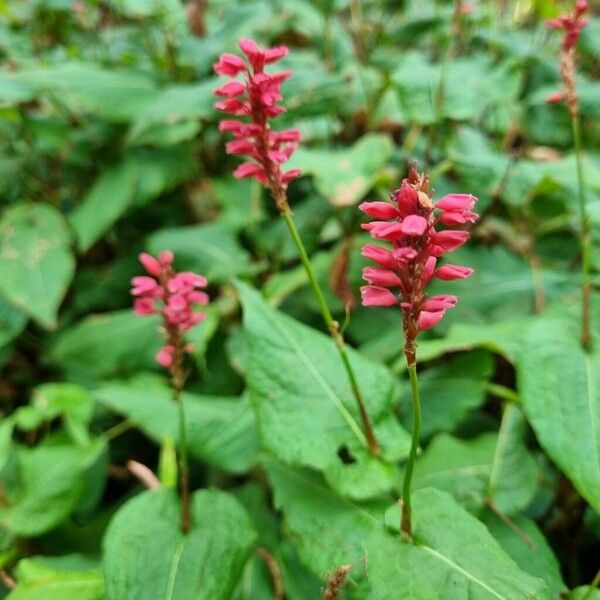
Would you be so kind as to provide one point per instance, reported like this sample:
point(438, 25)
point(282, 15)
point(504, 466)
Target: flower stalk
point(571, 25)
point(174, 296)
point(410, 223)
point(257, 98)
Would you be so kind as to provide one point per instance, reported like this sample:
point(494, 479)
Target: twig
point(336, 582)
point(275, 571)
point(144, 474)
point(7, 580)
point(511, 524)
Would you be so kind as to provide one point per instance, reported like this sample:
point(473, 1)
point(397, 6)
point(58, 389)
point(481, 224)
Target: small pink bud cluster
point(409, 222)
point(571, 24)
point(173, 295)
point(256, 98)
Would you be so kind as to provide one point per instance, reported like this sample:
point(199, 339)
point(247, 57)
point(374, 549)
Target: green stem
point(183, 465)
point(406, 523)
point(593, 586)
point(585, 236)
point(503, 392)
point(334, 330)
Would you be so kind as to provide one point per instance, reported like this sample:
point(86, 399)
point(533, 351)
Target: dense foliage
point(110, 147)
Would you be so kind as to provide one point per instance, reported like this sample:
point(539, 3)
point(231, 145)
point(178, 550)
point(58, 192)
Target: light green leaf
point(175, 105)
point(459, 467)
point(108, 344)
point(35, 260)
point(147, 556)
point(449, 391)
point(49, 486)
point(452, 551)
point(306, 412)
point(527, 546)
point(114, 94)
point(513, 479)
point(220, 430)
point(345, 176)
point(58, 578)
point(560, 387)
point(12, 321)
point(212, 250)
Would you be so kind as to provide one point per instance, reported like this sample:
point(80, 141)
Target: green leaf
point(449, 391)
point(12, 321)
point(212, 250)
point(49, 486)
point(452, 550)
point(526, 545)
point(109, 344)
point(560, 387)
point(513, 479)
point(345, 176)
point(306, 412)
point(459, 467)
point(114, 94)
point(173, 106)
point(220, 430)
point(54, 578)
point(35, 260)
point(147, 556)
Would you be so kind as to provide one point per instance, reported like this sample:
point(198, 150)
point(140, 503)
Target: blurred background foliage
point(109, 146)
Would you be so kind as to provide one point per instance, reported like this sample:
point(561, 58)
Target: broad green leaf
point(110, 196)
point(35, 260)
point(51, 400)
point(58, 578)
point(526, 545)
point(12, 321)
point(560, 387)
point(175, 105)
point(109, 344)
point(114, 94)
point(138, 178)
point(212, 250)
point(50, 482)
point(459, 467)
point(147, 556)
point(306, 412)
point(345, 176)
point(513, 479)
point(220, 430)
point(452, 551)
point(449, 391)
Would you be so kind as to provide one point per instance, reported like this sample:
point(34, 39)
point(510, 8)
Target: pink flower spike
point(165, 356)
point(149, 263)
point(144, 306)
point(382, 277)
point(428, 319)
point(143, 285)
point(291, 174)
point(248, 169)
point(229, 64)
point(456, 202)
point(458, 217)
point(231, 88)
point(380, 255)
point(255, 55)
point(404, 254)
point(274, 54)
point(379, 210)
point(372, 295)
point(555, 98)
point(166, 258)
point(414, 225)
point(436, 303)
point(449, 240)
point(451, 272)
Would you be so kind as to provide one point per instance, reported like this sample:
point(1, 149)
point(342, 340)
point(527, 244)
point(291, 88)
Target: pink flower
point(571, 24)
point(405, 271)
point(555, 98)
point(175, 296)
point(257, 98)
